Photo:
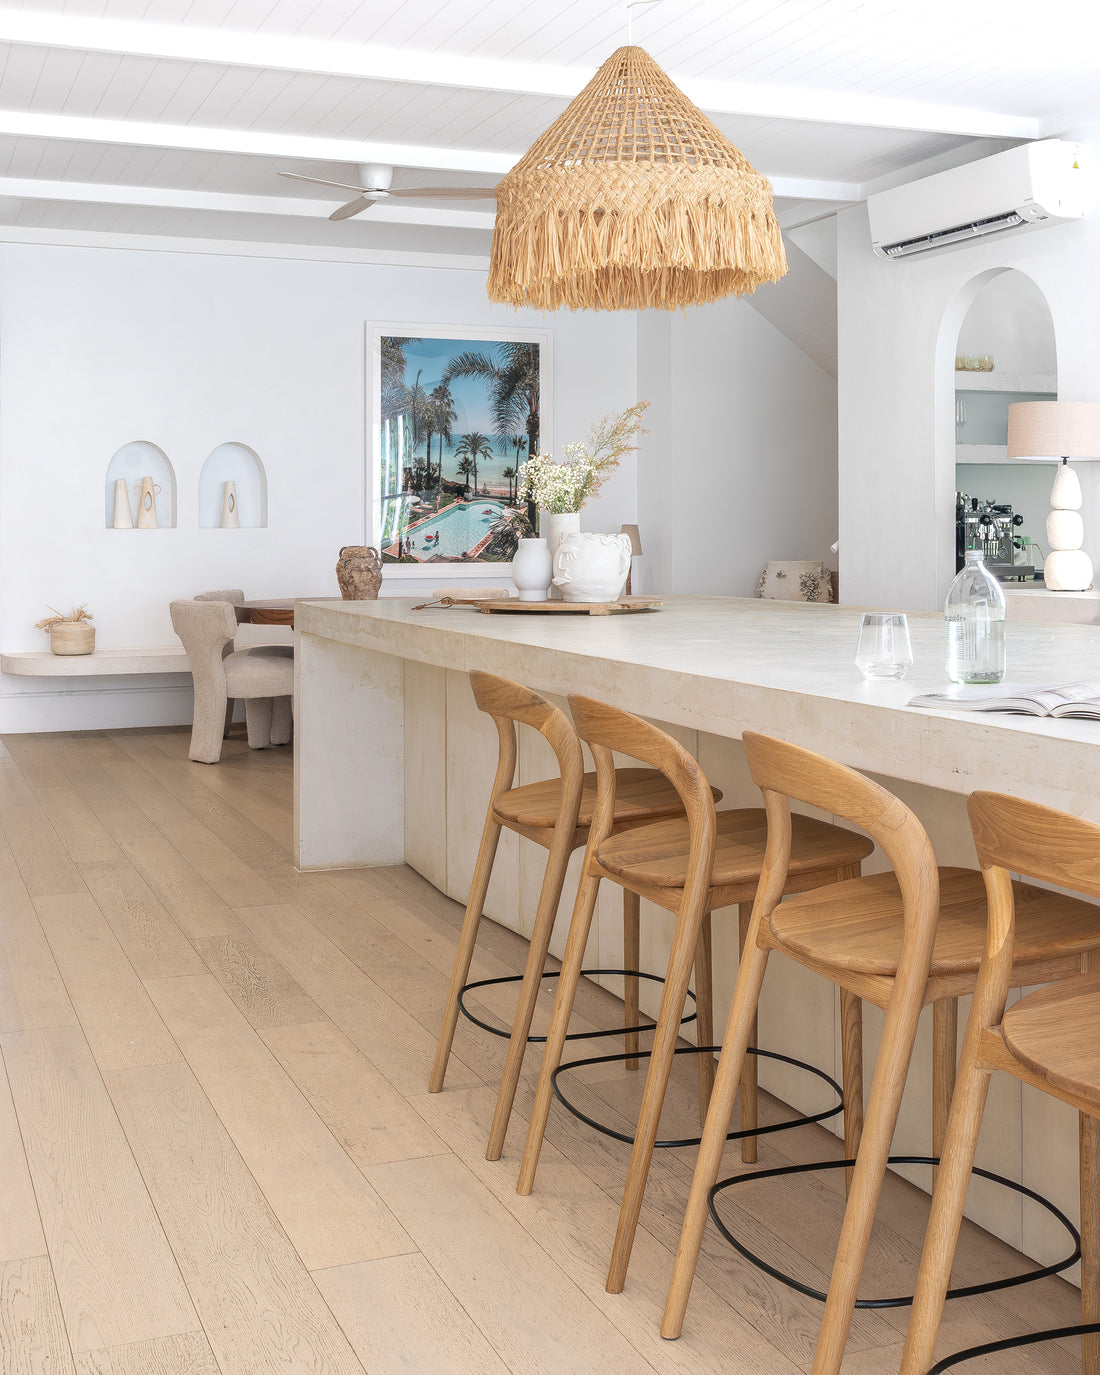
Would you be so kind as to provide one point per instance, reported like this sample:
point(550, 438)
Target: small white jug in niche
point(147, 504)
point(230, 518)
point(591, 568)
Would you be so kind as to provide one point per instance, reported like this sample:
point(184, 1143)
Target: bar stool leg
point(945, 1219)
point(704, 1014)
point(632, 955)
point(749, 1068)
point(579, 926)
point(685, 942)
point(945, 1049)
point(739, 1032)
point(553, 879)
point(870, 1171)
point(483, 870)
point(1090, 1241)
point(851, 1040)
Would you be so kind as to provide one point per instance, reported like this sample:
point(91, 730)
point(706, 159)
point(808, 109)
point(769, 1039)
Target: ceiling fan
point(376, 179)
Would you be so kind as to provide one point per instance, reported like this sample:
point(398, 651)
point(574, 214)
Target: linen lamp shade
point(635, 538)
point(1059, 430)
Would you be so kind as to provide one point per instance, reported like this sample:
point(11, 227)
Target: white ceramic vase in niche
point(122, 519)
point(592, 568)
point(147, 504)
point(532, 570)
point(230, 516)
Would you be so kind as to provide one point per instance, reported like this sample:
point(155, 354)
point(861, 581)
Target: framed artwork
point(453, 412)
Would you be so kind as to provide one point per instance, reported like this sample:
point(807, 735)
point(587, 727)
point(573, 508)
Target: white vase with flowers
point(560, 490)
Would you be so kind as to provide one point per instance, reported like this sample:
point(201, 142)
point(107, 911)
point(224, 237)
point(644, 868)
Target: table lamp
point(635, 548)
point(1060, 430)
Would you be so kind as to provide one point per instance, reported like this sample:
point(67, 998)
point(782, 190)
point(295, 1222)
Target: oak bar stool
point(556, 814)
point(901, 940)
point(1049, 1039)
point(690, 865)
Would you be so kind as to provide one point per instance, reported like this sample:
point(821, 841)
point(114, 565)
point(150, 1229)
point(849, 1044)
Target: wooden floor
point(217, 1152)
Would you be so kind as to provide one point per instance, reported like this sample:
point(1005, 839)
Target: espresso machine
point(991, 527)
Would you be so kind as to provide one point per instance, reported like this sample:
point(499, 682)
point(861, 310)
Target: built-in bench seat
point(41, 663)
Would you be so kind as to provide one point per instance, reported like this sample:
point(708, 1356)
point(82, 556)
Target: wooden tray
point(515, 607)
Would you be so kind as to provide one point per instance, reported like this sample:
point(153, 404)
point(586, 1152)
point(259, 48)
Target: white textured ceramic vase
point(592, 568)
point(122, 519)
point(532, 570)
point(231, 519)
point(558, 526)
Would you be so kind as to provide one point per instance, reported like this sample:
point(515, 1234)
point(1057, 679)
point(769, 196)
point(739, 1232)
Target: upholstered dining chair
point(263, 677)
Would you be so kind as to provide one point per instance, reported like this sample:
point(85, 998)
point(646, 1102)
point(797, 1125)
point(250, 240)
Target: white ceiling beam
point(86, 129)
point(159, 197)
point(374, 63)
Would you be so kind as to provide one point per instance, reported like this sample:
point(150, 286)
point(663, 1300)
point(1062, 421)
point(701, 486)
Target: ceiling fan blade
point(456, 193)
point(320, 181)
point(355, 207)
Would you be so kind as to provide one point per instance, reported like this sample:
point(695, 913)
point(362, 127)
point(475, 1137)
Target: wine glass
point(883, 649)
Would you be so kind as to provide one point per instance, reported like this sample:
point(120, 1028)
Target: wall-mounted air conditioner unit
point(1022, 188)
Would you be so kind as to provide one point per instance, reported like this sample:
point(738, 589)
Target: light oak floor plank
point(188, 1354)
point(259, 1307)
point(328, 1209)
point(119, 1021)
point(42, 859)
point(21, 1233)
point(153, 943)
point(32, 1331)
point(256, 981)
point(32, 992)
point(116, 1276)
point(503, 1279)
point(400, 1317)
point(370, 1119)
point(192, 903)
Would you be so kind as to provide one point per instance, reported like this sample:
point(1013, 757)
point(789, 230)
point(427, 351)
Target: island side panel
point(349, 768)
point(426, 771)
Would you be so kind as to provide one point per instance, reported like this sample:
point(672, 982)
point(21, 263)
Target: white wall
point(104, 346)
point(740, 463)
point(898, 329)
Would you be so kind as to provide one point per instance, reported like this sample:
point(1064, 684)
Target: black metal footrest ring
point(572, 1035)
point(1052, 1334)
point(699, 1050)
point(964, 1291)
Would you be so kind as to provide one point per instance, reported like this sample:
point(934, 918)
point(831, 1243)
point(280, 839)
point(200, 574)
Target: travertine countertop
point(725, 665)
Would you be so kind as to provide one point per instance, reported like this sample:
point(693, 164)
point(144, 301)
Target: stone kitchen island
point(393, 763)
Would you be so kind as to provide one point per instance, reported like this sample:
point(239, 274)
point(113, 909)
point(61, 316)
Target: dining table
point(272, 610)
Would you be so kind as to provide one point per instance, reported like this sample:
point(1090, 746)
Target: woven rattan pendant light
point(632, 198)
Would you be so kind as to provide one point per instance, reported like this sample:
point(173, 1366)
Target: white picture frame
point(432, 346)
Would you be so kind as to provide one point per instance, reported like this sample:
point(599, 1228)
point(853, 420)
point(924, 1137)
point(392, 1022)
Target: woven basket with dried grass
point(632, 198)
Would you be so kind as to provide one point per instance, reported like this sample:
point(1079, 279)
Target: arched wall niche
point(1024, 351)
point(242, 465)
point(136, 460)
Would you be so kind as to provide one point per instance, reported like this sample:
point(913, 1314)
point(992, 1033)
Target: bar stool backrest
point(507, 703)
point(1012, 835)
point(604, 729)
point(783, 771)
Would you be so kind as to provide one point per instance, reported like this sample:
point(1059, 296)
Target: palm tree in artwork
point(511, 375)
point(509, 473)
point(474, 446)
point(466, 467)
point(442, 413)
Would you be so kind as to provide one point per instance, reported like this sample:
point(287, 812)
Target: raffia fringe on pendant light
point(632, 198)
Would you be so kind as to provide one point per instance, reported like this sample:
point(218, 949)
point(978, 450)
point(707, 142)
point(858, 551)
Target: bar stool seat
point(640, 795)
point(657, 854)
point(858, 925)
point(1056, 1034)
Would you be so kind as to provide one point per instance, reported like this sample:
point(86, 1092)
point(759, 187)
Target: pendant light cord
point(631, 5)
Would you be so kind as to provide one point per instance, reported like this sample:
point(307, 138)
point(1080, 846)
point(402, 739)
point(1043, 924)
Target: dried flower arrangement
point(75, 616)
point(564, 487)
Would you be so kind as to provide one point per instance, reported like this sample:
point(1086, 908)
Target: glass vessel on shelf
point(974, 613)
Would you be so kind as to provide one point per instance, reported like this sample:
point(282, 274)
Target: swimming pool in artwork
point(455, 530)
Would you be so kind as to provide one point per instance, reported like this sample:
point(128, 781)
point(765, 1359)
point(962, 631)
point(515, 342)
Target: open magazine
point(1075, 699)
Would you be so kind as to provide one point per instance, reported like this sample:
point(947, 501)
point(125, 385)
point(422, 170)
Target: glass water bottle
point(975, 615)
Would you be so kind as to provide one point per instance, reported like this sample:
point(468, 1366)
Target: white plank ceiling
point(171, 118)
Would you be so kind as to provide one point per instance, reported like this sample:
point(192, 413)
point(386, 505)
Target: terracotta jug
point(359, 573)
